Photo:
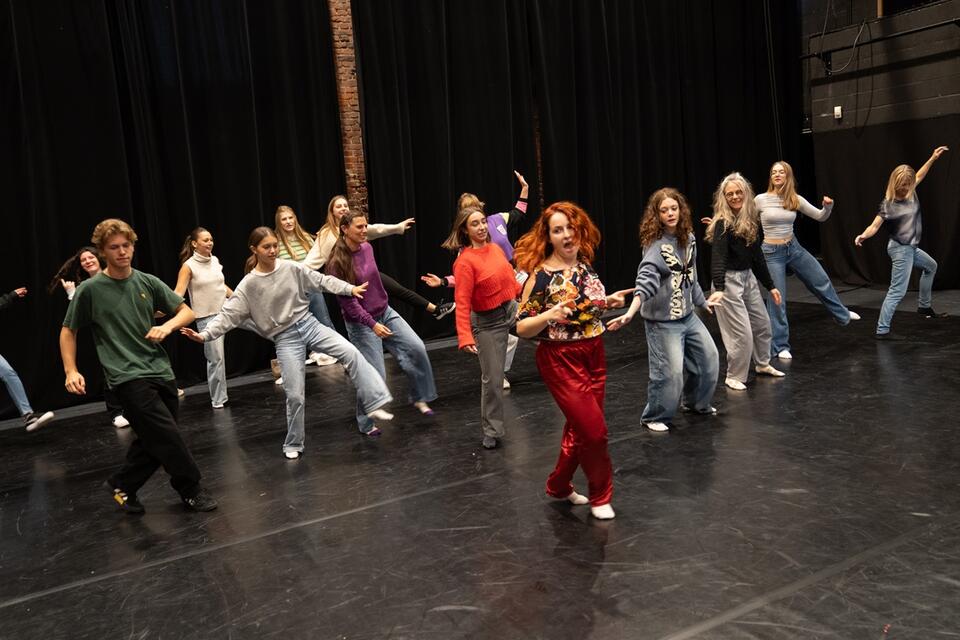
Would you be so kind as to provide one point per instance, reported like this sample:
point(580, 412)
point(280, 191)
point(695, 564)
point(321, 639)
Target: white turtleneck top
point(207, 288)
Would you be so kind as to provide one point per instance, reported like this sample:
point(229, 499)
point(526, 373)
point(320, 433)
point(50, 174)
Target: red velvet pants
point(576, 375)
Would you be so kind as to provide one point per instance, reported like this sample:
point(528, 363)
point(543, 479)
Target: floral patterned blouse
point(581, 291)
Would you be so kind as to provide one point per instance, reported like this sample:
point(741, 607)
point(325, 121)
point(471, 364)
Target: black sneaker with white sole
point(127, 502)
point(444, 309)
point(928, 312)
point(202, 501)
point(33, 421)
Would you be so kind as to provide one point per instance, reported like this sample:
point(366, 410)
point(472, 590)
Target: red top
point(485, 280)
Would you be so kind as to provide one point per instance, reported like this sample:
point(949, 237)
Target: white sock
point(380, 414)
point(603, 512)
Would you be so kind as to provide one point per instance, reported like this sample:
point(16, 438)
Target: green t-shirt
point(121, 313)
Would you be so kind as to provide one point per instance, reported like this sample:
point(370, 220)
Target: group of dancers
point(543, 288)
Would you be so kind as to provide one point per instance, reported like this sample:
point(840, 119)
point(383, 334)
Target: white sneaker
point(506, 383)
point(768, 370)
point(180, 392)
point(735, 384)
point(278, 381)
point(575, 498)
point(322, 359)
point(785, 355)
point(120, 422)
point(655, 426)
point(854, 315)
point(292, 455)
point(380, 414)
point(603, 512)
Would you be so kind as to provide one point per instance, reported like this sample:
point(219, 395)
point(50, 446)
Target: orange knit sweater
point(485, 280)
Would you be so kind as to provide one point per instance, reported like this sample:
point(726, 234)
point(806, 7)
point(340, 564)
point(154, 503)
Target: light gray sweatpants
point(490, 331)
point(744, 324)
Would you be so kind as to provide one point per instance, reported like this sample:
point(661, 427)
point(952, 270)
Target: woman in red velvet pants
point(561, 306)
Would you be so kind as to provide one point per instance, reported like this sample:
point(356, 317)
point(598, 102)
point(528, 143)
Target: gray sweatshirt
point(667, 280)
point(269, 303)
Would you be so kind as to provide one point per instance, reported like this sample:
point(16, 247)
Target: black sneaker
point(126, 502)
point(444, 309)
point(33, 421)
point(203, 501)
point(889, 337)
point(928, 312)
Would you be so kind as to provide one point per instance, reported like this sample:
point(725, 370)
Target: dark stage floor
point(822, 505)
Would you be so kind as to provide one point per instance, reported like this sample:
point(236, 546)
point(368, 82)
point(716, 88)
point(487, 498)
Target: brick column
point(344, 53)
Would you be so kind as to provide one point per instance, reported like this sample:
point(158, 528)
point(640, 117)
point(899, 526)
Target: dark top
point(7, 299)
point(731, 253)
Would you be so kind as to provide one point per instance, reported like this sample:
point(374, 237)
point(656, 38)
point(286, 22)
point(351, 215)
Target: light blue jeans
point(793, 256)
point(684, 362)
point(318, 307)
point(292, 344)
point(14, 387)
point(406, 346)
point(905, 258)
point(216, 368)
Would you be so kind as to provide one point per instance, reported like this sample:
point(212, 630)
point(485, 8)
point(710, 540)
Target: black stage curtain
point(629, 97)
point(169, 115)
point(853, 165)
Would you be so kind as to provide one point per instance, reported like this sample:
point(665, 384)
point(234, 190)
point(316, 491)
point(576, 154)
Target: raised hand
point(20, 291)
point(406, 224)
point(939, 151)
point(68, 285)
point(827, 200)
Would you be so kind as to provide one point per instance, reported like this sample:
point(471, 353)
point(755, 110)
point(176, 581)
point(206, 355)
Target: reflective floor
point(822, 505)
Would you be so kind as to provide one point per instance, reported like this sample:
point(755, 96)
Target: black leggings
point(396, 290)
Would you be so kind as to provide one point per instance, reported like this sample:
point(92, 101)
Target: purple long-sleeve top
point(375, 300)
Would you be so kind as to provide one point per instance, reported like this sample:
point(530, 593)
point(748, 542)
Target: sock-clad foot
point(489, 442)
point(659, 427)
point(854, 315)
point(575, 498)
point(785, 355)
point(423, 408)
point(928, 312)
point(120, 422)
point(292, 455)
point(735, 384)
point(768, 370)
point(127, 502)
point(603, 512)
point(33, 421)
point(202, 501)
point(322, 359)
point(506, 383)
point(278, 381)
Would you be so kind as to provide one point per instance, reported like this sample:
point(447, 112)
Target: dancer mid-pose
point(486, 309)
point(294, 244)
point(900, 212)
point(497, 225)
point(31, 420)
point(684, 362)
point(778, 210)
point(562, 304)
point(274, 299)
point(201, 274)
point(330, 232)
point(119, 305)
point(372, 324)
point(81, 266)
point(736, 265)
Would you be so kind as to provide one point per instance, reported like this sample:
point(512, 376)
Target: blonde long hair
point(746, 222)
point(899, 177)
point(305, 239)
point(788, 192)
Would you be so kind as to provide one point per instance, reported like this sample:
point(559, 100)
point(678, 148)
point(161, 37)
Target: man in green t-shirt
point(120, 307)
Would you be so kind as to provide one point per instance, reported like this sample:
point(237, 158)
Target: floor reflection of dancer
point(372, 324)
point(120, 305)
point(497, 225)
point(778, 208)
point(274, 298)
point(201, 274)
point(81, 266)
point(31, 419)
point(737, 264)
point(683, 359)
point(330, 232)
point(900, 212)
point(561, 305)
point(486, 296)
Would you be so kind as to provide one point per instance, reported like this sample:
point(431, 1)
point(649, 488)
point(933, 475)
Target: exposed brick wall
point(345, 58)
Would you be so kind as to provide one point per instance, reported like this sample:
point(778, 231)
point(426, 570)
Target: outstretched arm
point(869, 232)
point(922, 173)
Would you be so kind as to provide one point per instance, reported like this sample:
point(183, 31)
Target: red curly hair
point(650, 226)
point(534, 246)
